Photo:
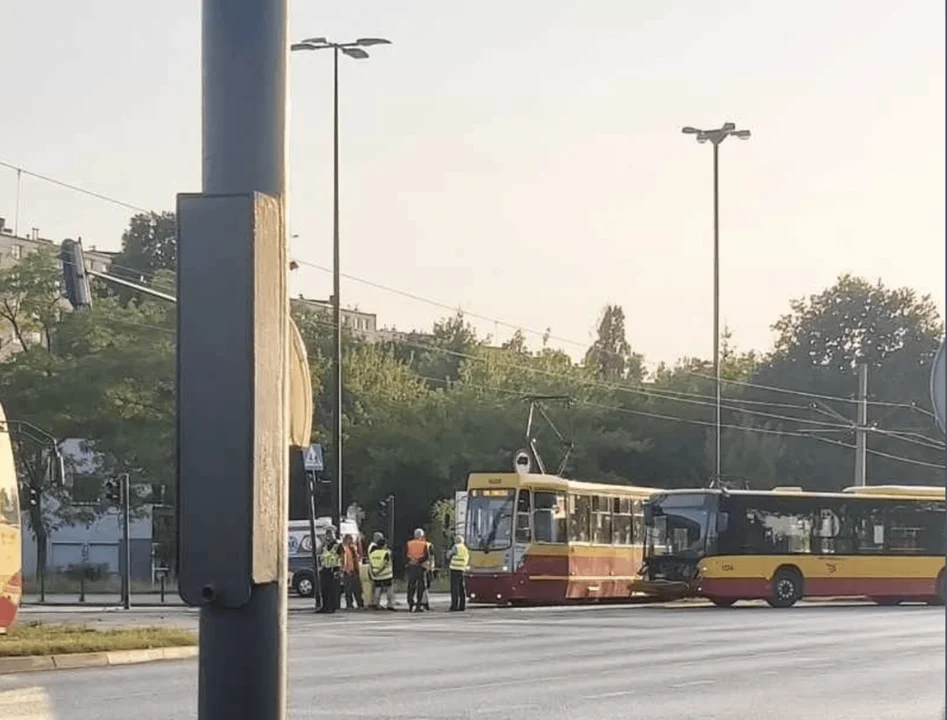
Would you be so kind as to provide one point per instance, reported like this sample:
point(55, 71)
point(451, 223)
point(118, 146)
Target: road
point(837, 662)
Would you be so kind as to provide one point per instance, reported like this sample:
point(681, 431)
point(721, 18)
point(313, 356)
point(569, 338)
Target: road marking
point(692, 683)
point(29, 703)
point(503, 709)
point(600, 696)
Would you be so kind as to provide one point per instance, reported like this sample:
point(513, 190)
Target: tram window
point(579, 510)
point(549, 517)
point(523, 512)
point(602, 520)
point(637, 529)
point(623, 523)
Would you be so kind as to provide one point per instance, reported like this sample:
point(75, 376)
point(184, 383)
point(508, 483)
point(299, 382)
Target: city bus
point(542, 539)
point(11, 551)
point(884, 543)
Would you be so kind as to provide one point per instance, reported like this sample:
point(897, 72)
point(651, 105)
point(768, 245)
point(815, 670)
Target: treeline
point(422, 412)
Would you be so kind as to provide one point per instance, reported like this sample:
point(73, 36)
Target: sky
point(524, 161)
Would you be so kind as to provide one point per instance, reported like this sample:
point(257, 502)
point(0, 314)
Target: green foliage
point(423, 411)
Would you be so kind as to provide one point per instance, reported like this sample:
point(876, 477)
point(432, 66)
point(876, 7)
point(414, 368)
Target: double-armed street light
point(716, 137)
point(356, 51)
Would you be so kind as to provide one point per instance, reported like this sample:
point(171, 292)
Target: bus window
point(832, 534)
point(601, 520)
point(523, 511)
point(579, 510)
point(778, 526)
point(549, 517)
point(916, 528)
point(869, 528)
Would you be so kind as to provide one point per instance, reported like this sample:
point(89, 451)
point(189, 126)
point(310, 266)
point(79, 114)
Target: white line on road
point(692, 683)
point(601, 696)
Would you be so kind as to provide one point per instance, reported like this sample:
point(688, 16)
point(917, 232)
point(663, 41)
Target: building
point(98, 544)
point(361, 324)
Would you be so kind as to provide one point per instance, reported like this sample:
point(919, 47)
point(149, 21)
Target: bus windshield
point(680, 524)
point(490, 518)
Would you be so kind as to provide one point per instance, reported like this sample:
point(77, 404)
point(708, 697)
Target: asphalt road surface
point(832, 662)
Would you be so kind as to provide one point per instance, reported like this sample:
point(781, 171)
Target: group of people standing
point(344, 571)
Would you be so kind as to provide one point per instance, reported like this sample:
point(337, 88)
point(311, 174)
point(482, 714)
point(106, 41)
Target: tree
point(30, 299)
point(149, 245)
point(819, 345)
point(610, 355)
point(105, 375)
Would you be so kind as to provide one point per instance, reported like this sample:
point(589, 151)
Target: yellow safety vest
point(379, 564)
point(331, 559)
point(461, 558)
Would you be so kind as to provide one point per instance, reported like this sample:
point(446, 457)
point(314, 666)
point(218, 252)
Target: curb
point(73, 661)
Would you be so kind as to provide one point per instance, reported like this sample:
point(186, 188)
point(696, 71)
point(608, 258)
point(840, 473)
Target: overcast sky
point(523, 160)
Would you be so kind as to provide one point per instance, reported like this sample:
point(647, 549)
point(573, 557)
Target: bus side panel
point(749, 577)
point(11, 551)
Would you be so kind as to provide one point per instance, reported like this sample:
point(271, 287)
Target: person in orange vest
point(417, 556)
point(351, 582)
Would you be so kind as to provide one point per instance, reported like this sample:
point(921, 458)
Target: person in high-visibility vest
point(331, 562)
point(383, 572)
point(417, 556)
point(428, 577)
point(458, 558)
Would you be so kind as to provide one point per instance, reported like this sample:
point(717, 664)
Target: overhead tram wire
point(496, 321)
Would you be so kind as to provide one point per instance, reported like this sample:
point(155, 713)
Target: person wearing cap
point(417, 554)
point(458, 558)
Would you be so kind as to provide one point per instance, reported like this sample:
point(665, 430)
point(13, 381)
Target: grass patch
point(47, 639)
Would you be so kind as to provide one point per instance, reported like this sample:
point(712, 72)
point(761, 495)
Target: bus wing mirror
point(648, 514)
point(723, 522)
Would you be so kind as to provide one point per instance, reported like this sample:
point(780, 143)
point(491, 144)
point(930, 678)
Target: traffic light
point(75, 279)
point(34, 496)
point(113, 490)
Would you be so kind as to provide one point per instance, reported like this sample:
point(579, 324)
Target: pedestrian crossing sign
point(312, 459)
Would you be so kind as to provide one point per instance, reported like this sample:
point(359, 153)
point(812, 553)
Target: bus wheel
point(787, 588)
point(723, 602)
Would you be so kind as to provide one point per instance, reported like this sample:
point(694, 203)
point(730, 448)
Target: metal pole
point(316, 580)
point(861, 426)
point(127, 538)
point(391, 522)
point(716, 312)
point(242, 658)
point(336, 299)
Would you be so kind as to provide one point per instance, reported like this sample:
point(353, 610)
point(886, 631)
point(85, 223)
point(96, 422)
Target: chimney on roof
point(34, 233)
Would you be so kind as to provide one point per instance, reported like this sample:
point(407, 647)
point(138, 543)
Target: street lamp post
point(716, 137)
point(355, 50)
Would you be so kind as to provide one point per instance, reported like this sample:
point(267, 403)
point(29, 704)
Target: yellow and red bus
point(885, 543)
point(11, 551)
point(541, 539)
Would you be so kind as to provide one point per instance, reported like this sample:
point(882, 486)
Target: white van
point(302, 577)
